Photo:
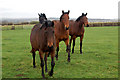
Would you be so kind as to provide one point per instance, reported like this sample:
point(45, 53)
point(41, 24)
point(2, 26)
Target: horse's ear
point(68, 11)
point(85, 14)
point(52, 24)
point(63, 11)
point(38, 14)
point(82, 14)
point(44, 15)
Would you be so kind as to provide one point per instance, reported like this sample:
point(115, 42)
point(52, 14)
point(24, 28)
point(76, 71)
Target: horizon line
point(52, 17)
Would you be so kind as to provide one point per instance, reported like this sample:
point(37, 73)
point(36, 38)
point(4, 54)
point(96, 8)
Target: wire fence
point(29, 26)
point(16, 27)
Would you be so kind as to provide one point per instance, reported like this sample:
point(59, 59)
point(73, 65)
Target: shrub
point(34, 22)
point(24, 23)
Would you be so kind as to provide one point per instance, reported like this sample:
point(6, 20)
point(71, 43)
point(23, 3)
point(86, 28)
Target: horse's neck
point(80, 24)
point(62, 27)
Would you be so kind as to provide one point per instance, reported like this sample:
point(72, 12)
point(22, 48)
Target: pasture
point(99, 58)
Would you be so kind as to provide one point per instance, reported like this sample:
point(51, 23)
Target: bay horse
point(62, 32)
point(77, 30)
point(42, 39)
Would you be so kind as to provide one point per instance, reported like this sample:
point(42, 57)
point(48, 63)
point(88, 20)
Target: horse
point(42, 18)
point(77, 30)
point(42, 39)
point(62, 32)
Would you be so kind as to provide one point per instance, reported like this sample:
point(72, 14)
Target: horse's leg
point(57, 49)
point(48, 54)
point(33, 54)
point(33, 59)
point(42, 62)
point(45, 59)
point(70, 42)
point(81, 38)
point(52, 63)
point(68, 49)
point(73, 45)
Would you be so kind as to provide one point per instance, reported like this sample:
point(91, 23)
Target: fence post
point(13, 27)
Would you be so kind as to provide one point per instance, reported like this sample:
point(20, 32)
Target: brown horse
point(62, 32)
point(42, 39)
point(77, 30)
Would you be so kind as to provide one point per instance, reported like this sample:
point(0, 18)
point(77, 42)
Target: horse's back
point(56, 22)
point(71, 22)
point(36, 26)
point(34, 36)
point(71, 25)
point(34, 31)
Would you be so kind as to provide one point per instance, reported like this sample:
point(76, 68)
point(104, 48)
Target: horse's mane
point(78, 19)
point(43, 15)
point(63, 14)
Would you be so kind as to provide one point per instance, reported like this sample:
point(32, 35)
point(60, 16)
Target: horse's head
point(42, 18)
point(83, 19)
point(49, 34)
point(65, 19)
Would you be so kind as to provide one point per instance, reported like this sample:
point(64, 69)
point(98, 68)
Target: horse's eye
point(53, 31)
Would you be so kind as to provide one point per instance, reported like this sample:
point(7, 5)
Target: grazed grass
point(99, 58)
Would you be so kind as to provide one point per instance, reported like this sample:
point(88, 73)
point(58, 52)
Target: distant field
point(99, 58)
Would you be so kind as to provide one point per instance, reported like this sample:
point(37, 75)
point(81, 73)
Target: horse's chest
point(79, 32)
point(63, 36)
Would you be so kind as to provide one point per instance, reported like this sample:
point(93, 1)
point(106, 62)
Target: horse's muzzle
point(50, 48)
point(87, 25)
point(66, 28)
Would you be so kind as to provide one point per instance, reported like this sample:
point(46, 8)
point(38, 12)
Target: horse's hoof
point(68, 60)
point(56, 59)
point(34, 66)
point(46, 71)
point(43, 76)
point(80, 52)
point(72, 51)
point(50, 73)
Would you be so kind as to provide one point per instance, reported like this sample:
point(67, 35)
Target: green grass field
point(99, 58)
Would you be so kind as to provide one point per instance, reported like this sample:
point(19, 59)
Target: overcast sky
point(104, 9)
